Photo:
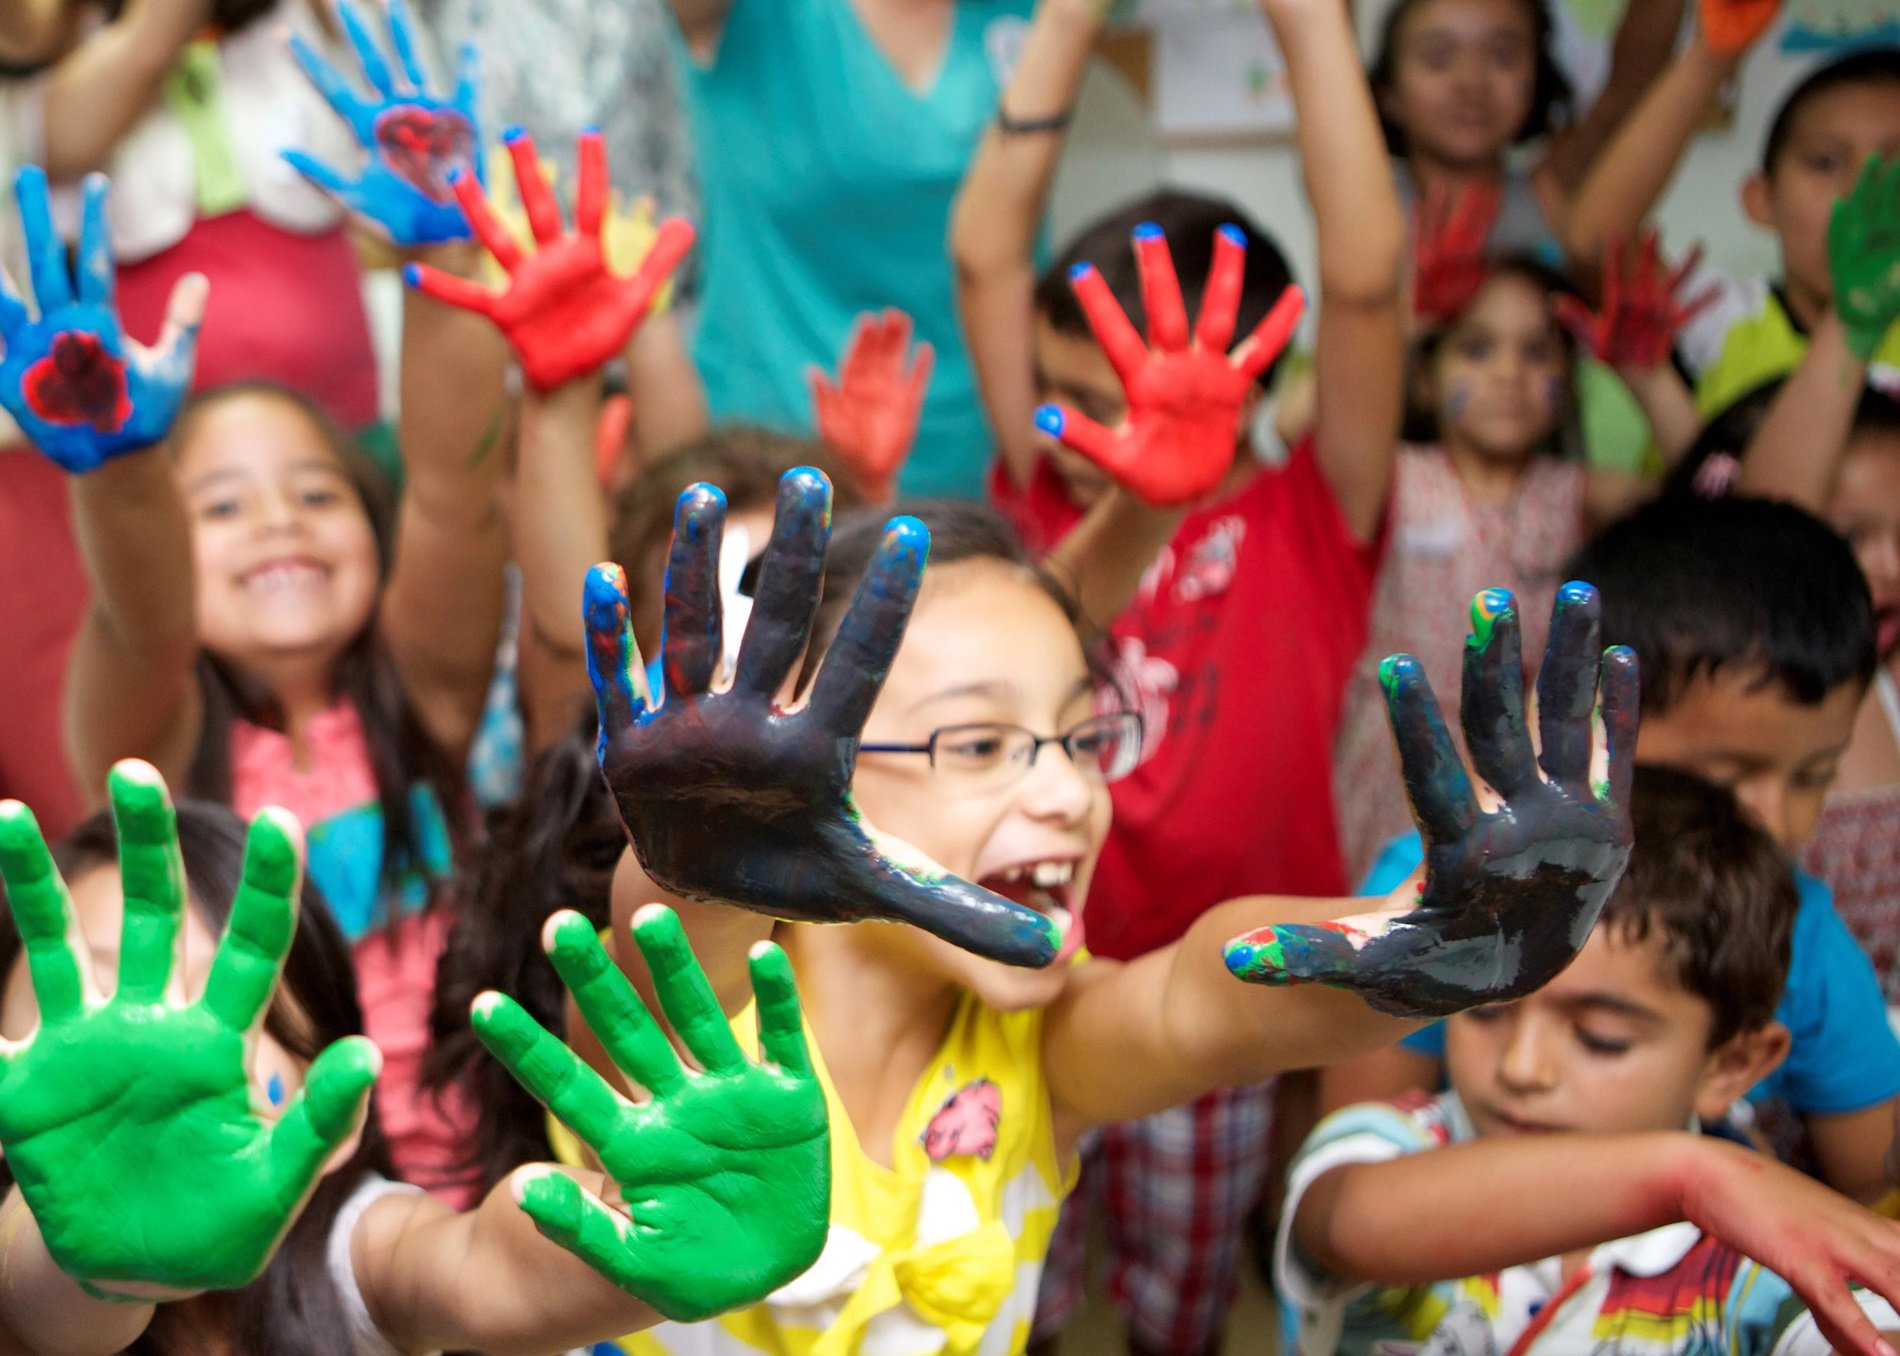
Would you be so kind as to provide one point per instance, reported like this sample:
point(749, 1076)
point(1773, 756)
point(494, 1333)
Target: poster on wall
point(1823, 26)
point(1216, 70)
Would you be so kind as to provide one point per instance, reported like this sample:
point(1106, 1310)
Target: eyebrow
point(996, 691)
point(1615, 1003)
point(317, 464)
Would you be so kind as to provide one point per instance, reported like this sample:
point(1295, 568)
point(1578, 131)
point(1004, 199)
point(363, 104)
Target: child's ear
point(1757, 200)
point(1737, 1065)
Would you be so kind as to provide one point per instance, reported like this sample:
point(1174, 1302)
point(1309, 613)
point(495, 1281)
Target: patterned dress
point(1856, 849)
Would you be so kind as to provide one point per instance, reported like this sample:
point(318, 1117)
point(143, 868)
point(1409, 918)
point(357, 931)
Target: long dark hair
point(401, 753)
point(1551, 95)
point(555, 848)
point(293, 1309)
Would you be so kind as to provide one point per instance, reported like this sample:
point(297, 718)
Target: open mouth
point(1887, 627)
point(1045, 887)
point(284, 576)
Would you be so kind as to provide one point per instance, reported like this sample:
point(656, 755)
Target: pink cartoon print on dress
point(1212, 563)
point(966, 1123)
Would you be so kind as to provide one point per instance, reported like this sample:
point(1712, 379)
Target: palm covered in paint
point(724, 1175)
point(1509, 895)
point(729, 799)
point(415, 142)
point(1863, 247)
point(131, 1123)
point(74, 383)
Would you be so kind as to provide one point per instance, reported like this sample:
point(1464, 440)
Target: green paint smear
point(1486, 608)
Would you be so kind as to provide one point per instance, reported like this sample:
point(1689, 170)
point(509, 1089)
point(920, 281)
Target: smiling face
point(285, 554)
point(1464, 74)
point(1499, 375)
point(1865, 509)
point(1613, 1044)
point(987, 646)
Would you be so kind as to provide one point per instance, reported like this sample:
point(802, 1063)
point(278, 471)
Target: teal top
point(828, 184)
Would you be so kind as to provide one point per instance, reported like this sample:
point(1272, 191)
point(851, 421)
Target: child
point(1462, 1222)
point(166, 1148)
point(1223, 653)
point(1817, 145)
point(967, 1084)
point(1757, 640)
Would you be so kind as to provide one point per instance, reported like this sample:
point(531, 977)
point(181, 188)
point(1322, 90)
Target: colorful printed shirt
point(1749, 337)
point(1670, 1290)
point(942, 1251)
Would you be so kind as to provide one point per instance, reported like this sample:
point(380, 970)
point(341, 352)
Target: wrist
point(1698, 1169)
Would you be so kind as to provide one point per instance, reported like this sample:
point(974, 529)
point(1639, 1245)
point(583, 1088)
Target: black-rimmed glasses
point(992, 756)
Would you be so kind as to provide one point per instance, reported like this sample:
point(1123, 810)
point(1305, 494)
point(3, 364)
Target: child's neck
point(303, 694)
point(1487, 479)
point(878, 1023)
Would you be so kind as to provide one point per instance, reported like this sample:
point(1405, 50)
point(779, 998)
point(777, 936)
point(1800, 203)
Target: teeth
point(279, 577)
point(1049, 875)
point(1013, 875)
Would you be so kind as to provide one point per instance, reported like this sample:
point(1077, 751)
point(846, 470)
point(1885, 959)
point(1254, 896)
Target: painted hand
point(1509, 896)
point(1642, 311)
point(1184, 395)
point(74, 383)
point(730, 799)
point(1731, 27)
point(869, 415)
point(725, 1175)
point(132, 1123)
point(1451, 235)
point(563, 309)
point(1863, 253)
point(416, 142)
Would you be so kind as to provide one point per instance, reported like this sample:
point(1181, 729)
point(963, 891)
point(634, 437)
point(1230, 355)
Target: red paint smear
point(79, 383)
point(423, 146)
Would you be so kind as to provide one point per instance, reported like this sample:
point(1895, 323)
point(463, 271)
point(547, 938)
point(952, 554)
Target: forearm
point(486, 1280)
point(1567, 1192)
point(1102, 560)
point(1636, 167)
point(669, 400)
point(43, 1311)
point(701, 21)
point(99, 91)
point(1796, 453)
point(1669, 406)
point(996, 218)
point(1638, 56)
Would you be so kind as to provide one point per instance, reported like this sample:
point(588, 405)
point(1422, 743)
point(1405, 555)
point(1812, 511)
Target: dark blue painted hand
point(1509, 896)
point(415, 141)
point(74, 383)
point(729, 798)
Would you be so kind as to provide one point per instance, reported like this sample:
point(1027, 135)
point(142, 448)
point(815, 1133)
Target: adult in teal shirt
point(832, 136)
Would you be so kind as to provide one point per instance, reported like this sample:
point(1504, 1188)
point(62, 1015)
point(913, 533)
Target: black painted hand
point(1509, 896)
point(730, 799)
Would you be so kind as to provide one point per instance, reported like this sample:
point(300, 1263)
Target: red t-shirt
point(1236, 651)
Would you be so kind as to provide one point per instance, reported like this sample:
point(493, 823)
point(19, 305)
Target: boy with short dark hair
point(1820, 140)
point(1558, 1198)
point(1755, 632)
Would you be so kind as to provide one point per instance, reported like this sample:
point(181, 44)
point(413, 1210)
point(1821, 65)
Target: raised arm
point(100, 406)
point(702, 21)
point(999, 211)
point(1638, 55)
point(1796, 453)
point(1508, 896)
point(99, 91)
point(1637, 165)
point(1359, 357)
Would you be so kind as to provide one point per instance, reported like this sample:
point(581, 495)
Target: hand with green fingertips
point(725, 1174)
point(1863, 254)
point(131, 1123)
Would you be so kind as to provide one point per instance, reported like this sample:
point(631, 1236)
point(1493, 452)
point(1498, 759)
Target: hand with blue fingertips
point(1509, 896)
point(131, 1123)
point(724, 1173)
point(1184, 394)
point(78, 388)
point(564, 310)
point(415, 141)
point(729, 798)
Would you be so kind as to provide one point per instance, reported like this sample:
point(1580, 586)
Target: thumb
point(328, 1111)
point(176, 351)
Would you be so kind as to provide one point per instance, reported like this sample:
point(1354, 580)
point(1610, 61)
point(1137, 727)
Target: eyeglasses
point(991, 757)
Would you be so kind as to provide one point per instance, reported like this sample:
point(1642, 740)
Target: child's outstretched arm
point(1000, 209)
point(1438, 1215)
point(131, 1124)
point(1635, 168)
point(719, 1183)
point(100, 406)
point(1508, 898)
point(1796, 453)
point(1359, 351)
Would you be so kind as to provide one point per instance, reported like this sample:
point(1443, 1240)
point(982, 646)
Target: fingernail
point(1486, 608)
point(1077, 272)
point(1576, 591)
point(1049, 420)
point(1259, 958)
point(1235, 234)
point(412, 274)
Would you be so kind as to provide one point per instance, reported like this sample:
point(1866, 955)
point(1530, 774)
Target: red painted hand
point(563, 310)
point(1731, 27)
point(1184, 396)
point(1641, 315)
point(869, 415)
point(1450, 232)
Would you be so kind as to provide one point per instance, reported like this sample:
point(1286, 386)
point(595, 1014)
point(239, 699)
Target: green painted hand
point(1863, 253)
point(130, 1122)
point(725, 1174)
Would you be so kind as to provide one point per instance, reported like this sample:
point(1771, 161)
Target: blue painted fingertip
point(1234, 234)
point(1396, 669)
point(1576, 592)
point(1147, 230)
point(513, 134)
point(1077, 272)
point(412, 274)
point(907, 539)
point(1049, 419)
point(275, 1089)
point(591, 129)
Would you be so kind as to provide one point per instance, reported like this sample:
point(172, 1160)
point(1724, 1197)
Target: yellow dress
point(939, 1253)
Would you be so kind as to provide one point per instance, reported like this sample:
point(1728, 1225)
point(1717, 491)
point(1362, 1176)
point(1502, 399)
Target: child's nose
point(1056, 788)
point(1526, 1065)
